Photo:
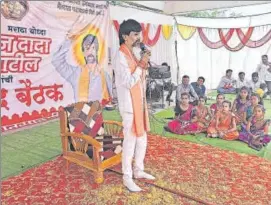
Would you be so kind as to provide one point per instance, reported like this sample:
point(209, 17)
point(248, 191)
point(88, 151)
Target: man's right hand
point(78, 26)
point(145, 58)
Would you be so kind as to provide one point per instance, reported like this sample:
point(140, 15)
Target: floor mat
point(207, 173)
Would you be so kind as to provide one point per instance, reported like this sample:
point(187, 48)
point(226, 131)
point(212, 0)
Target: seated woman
point(225, 126)
point(183, 116)
point(254, 99)
point(256, 131)
point(189, 119)
point(218, 105)
point(240, 104)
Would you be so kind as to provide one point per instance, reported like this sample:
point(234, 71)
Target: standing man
point(130, 84)
point(262, 67)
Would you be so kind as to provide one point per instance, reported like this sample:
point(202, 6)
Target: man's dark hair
point(229, 70)
point(185, 76)
point(165, 64)
point(201, 78)
point(240, 73)
point(266, 56)
point(126, 27)
point(255, 74)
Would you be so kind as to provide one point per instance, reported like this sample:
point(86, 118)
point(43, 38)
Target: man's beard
point(91, 59)
point(136, 43)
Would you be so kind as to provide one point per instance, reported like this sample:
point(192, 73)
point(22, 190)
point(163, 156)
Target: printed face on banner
point(46, 65)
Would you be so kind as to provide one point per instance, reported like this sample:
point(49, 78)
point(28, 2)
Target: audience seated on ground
point(190, 119)
point(227, 83)
point(241, 81)
point(192, 116)
point(185, 87)
point(199, 86)
point(241, 104)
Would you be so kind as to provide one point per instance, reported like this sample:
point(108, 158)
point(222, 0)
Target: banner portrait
point(53, 53)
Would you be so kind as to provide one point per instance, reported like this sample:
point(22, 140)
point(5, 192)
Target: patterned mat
point(207, 173)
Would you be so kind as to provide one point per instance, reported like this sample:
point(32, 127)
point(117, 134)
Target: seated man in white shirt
point(241, 81)
point(227, 83)
point(255, 83)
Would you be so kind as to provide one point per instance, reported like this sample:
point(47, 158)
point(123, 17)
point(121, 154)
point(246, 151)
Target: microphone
point(143, 48)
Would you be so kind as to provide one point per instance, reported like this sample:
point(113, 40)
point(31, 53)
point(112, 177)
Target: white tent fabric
point(241, 22)
point(196, 59)
point(122, 13)
point(175, 7)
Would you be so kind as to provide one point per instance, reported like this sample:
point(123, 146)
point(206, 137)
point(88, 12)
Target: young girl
point(256, 132)
point(240, 104)
point(218, 105)
point(225, 126)
point(203, 115)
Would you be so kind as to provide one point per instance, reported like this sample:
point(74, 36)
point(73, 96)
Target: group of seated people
point(260, 80)
point(243, 120)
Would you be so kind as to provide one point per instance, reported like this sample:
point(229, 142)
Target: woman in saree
point(255, 133)
point(183, 117)
point(254, 99)
point(189, 119)
point(240, 104)
point(225, 125)
point(218, 105)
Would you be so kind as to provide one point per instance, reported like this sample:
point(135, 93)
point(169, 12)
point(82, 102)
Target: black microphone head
point(142, 46)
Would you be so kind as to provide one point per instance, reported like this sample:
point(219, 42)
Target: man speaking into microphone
point(130, 84)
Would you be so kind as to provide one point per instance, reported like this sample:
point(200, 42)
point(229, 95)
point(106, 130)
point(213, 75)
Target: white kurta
point(261, 69)
point(132, 146)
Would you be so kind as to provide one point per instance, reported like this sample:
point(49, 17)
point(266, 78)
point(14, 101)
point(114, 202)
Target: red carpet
point(207, 173)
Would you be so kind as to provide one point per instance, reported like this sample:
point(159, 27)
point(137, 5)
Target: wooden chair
point(86, 150)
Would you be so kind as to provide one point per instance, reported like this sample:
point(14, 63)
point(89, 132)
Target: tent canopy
point(178, 7)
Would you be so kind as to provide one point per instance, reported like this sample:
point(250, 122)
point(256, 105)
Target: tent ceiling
point(178, 7)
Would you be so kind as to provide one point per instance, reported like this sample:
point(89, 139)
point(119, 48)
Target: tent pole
point(176, 50)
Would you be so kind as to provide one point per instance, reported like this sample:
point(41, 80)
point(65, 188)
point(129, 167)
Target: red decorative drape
point(214, 45)
point(241, 44)
point(254, 44)
point(145, 33)
point(244, 39)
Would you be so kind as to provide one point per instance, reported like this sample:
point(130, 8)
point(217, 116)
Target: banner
point(53, 53)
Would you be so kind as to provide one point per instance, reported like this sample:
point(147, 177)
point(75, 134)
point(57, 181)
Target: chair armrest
point(113, 122)
point(89, 139)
